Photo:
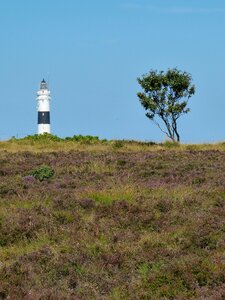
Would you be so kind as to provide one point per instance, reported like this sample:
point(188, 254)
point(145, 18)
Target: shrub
point(88, 139)
point(87, 203)
point(164, 205)
point(42, 173)
point(169, 144)
point(118, 144)
point(41, 137)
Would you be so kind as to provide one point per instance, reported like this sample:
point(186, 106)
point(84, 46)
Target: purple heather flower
point(29, 179)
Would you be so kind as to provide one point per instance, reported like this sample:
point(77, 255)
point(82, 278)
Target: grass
point(122, 220)
point(115, 193)
point(15, 251)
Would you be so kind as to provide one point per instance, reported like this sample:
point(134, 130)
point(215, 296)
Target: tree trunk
point(174, 125)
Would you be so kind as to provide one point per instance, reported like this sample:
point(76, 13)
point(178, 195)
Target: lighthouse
point(43, 107)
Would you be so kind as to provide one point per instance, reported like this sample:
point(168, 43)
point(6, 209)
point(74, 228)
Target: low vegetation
point(111, 220)
point(48, 142)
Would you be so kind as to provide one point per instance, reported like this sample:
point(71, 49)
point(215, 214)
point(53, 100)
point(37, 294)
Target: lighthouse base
point(44, 128)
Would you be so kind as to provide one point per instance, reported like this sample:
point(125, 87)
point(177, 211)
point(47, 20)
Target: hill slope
point(113, 225)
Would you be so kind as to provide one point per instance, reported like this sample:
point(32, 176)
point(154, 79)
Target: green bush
point(42, 173)
point(169, 144)
point(118, 144)
point(86, 139)
point(46, 137)
point(41, 137)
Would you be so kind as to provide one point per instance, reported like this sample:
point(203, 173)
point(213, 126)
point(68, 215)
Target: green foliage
point(102, 198)
point(64, 217)
point(143, 270)
point(88, 139)
point(42, 173)
point(166, 97)
point(171, 144)
point(118, 294)
point(41, 138)
point(118, 144)
point(46, 137)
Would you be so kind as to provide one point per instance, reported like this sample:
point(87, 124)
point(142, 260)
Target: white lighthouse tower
point(43, 107)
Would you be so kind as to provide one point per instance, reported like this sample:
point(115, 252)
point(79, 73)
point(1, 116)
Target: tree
point(165, 98)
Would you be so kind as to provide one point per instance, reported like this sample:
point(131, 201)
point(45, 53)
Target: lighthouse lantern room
point(43, 107)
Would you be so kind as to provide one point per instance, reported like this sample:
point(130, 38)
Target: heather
point(111, 220)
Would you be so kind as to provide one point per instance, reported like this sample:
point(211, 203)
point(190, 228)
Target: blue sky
point(92, 52)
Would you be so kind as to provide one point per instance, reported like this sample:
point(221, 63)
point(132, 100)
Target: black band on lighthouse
point(43, 117)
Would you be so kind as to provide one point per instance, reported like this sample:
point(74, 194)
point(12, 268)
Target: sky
point(91, 53)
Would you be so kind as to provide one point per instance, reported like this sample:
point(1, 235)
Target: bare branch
point(157, 124)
